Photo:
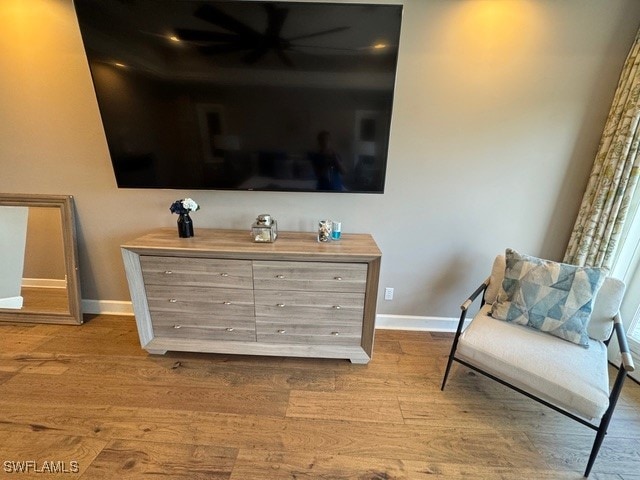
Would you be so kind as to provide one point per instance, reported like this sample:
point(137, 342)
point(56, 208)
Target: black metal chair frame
point(601, 428)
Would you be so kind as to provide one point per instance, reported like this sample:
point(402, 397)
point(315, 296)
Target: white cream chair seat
point(566, 377)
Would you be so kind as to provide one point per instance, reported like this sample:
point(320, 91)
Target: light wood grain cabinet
point(220, 292)
point(200, 272)
point(315, 276)
point(309, 302)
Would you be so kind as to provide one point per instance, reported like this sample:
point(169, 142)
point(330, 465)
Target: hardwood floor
point(88, 400)
point(50, 300)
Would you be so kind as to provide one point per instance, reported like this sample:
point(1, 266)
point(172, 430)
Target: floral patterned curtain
point(614, 177)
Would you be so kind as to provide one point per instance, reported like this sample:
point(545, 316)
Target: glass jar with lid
point(264, 229)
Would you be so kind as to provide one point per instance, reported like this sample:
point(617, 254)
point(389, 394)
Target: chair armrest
point(625, 353)
point(467, 303)
point(463, 314)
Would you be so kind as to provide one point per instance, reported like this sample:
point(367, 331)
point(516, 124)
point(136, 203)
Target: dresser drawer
point(203, 272)
point(215, 302)
point(310, 307)
point(322, 277)
point(202, 327)
point(324, 334)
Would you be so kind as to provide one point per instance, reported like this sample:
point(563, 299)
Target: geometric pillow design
point(556, 298)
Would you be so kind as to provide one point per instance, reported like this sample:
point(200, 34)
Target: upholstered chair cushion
point(564, 374)
point(495, 280)
point(605, 307)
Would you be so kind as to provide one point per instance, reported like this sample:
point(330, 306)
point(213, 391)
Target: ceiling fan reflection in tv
point(240, 37)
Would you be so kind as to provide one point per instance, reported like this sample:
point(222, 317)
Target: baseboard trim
point(107, 307)
point(417, 323)
point(383, 322)
point(44, 282)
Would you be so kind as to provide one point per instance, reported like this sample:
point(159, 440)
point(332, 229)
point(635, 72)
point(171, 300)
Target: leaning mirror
point(39, 278)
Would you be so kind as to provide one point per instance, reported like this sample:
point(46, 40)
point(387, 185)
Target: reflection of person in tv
point(327, 164)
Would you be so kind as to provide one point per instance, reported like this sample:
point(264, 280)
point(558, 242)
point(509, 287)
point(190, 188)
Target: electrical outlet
point(388, 293)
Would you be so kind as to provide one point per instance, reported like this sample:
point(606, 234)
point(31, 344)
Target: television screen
point(244, 95)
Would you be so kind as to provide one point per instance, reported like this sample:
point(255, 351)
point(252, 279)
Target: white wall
point(498, 112)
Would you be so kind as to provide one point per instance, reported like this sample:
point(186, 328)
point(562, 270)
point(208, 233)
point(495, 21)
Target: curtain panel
point(614, 176)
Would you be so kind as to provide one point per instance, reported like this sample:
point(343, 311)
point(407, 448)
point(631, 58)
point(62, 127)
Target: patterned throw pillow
point(552, 297)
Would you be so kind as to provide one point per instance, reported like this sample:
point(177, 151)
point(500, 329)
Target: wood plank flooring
point(45, 299)
point(87, 402)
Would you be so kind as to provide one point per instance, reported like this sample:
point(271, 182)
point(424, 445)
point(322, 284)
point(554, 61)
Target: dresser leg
point(156, 352)
point(360, 360)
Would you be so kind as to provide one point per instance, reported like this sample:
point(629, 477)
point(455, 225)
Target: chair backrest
point(606, 305)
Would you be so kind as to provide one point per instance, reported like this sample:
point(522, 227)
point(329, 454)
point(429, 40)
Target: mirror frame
point(67, 214)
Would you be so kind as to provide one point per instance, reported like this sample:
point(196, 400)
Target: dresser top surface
point(238, 244)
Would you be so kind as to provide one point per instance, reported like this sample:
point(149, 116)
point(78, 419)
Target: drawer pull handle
point(177, 326)
point(281, 305)
point(229, 329)
point(337, 278)
point(168, 272)
point(335, 334)
point(282, 331)
point(280, 276)
point(226, 303)
point(337, 307)
point(224, 274)
point(172, 300)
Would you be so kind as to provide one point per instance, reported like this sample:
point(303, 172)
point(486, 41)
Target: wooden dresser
point(220, 292)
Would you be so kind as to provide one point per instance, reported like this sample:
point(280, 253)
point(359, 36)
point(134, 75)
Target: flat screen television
point(244, 95)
